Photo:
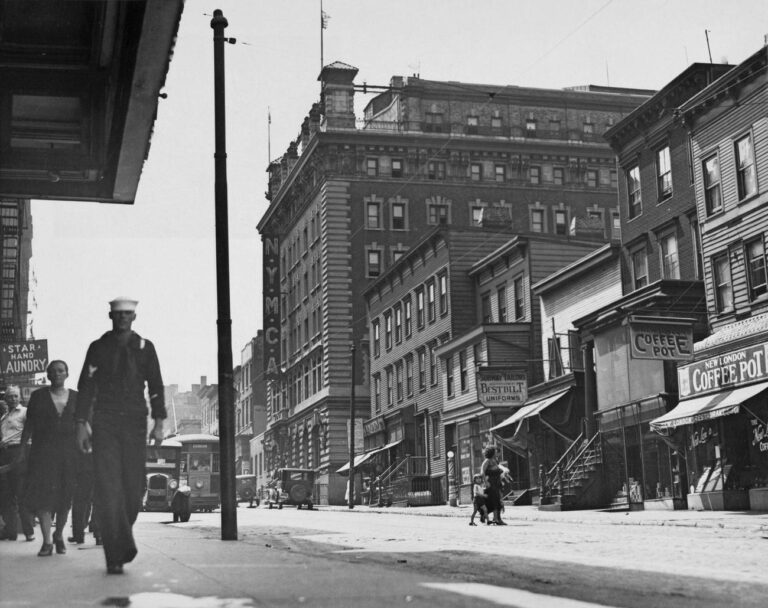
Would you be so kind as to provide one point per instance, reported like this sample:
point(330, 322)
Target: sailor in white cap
point(117, 368)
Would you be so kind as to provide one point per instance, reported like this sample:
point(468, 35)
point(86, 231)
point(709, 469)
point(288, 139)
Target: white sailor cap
point(123, 303)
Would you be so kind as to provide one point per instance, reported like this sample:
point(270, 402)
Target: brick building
point(350, 197)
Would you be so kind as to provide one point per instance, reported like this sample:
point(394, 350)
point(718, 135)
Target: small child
point(478, 492)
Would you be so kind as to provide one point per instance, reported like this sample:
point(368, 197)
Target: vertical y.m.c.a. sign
point(271, 308)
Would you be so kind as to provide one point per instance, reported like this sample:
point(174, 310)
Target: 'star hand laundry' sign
point(23, 358)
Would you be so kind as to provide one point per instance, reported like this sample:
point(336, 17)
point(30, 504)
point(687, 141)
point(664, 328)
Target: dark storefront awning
point(361, 458)
point(707, 407)
point(531, 408)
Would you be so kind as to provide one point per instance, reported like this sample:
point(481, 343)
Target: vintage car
point(291, 487)
point(246, 489)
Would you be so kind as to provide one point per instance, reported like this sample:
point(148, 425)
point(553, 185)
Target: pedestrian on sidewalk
point(492, 472)
point(12, 479)
point(478, 500)
point(83, 513)
point(117, 368)
point(52, 457)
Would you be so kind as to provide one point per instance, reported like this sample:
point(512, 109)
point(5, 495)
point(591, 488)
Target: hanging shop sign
point(374, 425)
point(497, 388)
point(723, 371)
point(661, 338)
point(23, 358)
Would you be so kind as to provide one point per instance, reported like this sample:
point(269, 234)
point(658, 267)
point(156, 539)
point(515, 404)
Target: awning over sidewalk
point(361, 458)
point(707, 407)
point(531, 408)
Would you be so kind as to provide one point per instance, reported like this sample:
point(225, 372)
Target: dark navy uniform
point(112, 382)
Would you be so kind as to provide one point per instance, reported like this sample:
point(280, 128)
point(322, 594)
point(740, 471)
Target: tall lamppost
point(352, 435)
point(224, 323)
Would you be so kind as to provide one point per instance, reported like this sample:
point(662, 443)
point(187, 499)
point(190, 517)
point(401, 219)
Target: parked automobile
point(246, 489)
point(292, 487)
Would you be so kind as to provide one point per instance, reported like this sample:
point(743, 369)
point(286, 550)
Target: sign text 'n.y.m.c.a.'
point(23, 358)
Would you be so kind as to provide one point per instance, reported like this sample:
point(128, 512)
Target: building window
point(377, 392)
point(388, 330)
point(534, 174)
point(397, 167)
point(398, 323)
point(376, 329)
point(436, 169)
point(437, 214)
point(664, 173)
point(374, 263)
point(398, 216)
point(399, 380)
point(633, 186)
point(433, 122)
point(537, 220)
point(390, 391)
point(530, 126)
point(407, 316)
point(435, 420)
point(431, 301)
point(591, 178)
point(501, 173)
point(519, 298)
point(496, 123)
point(397, 254)
point(420, 307)
point(409, 375)
point(712, 195)
point(432, 365)
point(422, 355)
point(476, 172)
point(561, 222)
point(449, 376)
point(698, 259)
point(501, 301)
point(721, 271)
point(745, 167)
point(554, 126)
point(557, 176)
point(756, 271)
point(462, 371)
point(616, 225)
point(472, 123)
point(443, 293)
point(639, 269)
point(588, 128)
point(477, 215)
point(372, 167)
point(485, 307)
point(670, 264)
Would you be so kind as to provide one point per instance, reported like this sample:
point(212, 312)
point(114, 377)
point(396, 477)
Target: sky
point(161, 250)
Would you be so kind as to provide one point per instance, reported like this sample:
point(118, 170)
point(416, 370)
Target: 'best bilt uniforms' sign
point(724, 371)
point(501, 388)
point(23, 358)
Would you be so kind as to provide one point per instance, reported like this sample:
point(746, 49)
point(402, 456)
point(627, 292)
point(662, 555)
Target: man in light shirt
point(12, 481)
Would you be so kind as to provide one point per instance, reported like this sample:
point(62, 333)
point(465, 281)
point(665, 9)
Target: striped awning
point(707, 407)
point(531, 408)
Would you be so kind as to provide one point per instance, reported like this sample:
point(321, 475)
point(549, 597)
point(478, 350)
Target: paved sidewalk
point(745, 520)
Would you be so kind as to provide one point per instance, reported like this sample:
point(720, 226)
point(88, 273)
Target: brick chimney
point(338, 96)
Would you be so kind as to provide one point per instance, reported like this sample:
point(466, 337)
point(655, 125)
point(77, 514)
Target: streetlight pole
point(224, 323)
point(352, 435)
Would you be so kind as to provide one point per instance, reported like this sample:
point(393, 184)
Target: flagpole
point(322, 27)
point(269, 136)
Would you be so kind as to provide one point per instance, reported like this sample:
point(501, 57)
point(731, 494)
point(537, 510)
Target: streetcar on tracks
point(200, 470)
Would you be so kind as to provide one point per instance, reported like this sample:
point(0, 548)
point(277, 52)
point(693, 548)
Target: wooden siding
point(577, 299)
point(740, 220)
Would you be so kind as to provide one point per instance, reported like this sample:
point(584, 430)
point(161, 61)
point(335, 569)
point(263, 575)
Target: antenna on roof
point(706, 34)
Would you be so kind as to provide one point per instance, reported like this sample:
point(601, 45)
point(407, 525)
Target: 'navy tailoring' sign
point(23, 358)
